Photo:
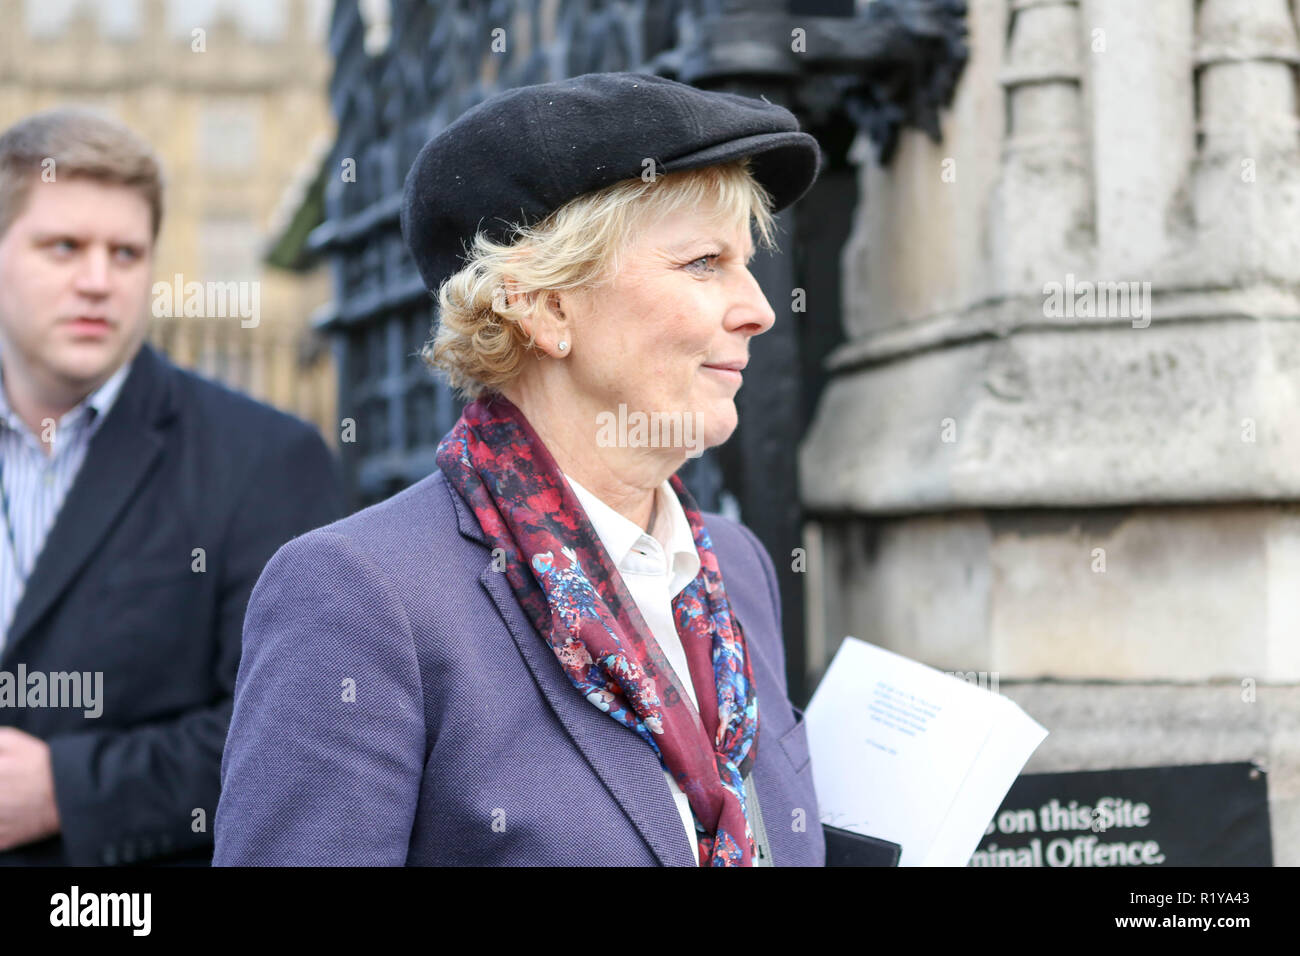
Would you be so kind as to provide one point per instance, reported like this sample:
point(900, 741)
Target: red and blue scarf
point(566, 583)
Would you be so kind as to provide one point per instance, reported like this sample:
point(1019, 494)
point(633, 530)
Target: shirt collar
point(102, 398)
point(681, 542)
point(94, 406)
point(621, 535)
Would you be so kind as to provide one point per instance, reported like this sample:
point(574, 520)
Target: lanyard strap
point(9, 528)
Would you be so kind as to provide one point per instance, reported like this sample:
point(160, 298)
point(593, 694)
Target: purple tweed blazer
point(394, 705)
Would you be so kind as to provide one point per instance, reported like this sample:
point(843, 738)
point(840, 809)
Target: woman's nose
point(750, 306)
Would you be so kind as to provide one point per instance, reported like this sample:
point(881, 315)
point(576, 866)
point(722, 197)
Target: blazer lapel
point(622, 760)
point(121, 453)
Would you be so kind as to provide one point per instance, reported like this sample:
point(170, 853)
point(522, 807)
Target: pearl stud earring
point(563, 346)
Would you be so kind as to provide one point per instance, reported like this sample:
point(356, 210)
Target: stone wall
point(1062, 443)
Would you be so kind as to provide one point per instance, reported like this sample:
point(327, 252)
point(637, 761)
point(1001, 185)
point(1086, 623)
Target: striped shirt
point(35, 484)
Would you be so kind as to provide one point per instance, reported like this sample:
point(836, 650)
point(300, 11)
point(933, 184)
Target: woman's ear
point(508, 294)
point(547, 325)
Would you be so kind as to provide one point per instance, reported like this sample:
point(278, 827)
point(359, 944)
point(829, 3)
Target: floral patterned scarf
point(568, 586)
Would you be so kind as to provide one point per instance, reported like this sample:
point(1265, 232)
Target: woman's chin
point(718, 425)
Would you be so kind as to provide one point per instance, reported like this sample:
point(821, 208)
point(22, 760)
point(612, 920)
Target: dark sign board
point(1207, 815)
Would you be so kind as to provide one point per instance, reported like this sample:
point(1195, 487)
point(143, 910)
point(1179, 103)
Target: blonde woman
point(544, 653)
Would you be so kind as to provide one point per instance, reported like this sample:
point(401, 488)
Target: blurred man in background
point(138, 505)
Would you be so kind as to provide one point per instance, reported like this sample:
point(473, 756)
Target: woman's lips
point(729, 374)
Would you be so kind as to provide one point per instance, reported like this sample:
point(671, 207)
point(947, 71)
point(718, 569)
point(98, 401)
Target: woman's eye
point(707, 260)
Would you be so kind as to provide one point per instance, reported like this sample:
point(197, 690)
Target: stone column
point(1063, 441)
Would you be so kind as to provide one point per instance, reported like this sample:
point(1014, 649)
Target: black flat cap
point(517, 157)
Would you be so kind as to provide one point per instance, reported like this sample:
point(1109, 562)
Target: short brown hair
point(83, 144)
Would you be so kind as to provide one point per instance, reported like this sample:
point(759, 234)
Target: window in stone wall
point(114, 19)
point(229, 248)
point(259, 20)
point(228, 138)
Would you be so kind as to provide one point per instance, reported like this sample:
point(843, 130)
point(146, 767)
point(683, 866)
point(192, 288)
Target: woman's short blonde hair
point(479, 343)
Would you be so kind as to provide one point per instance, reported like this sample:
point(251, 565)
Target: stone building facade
point(1062, 442)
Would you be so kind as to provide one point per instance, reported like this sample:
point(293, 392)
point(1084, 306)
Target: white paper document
point(903, 752)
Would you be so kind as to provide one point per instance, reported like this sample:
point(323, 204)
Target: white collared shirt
point(655, 568)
